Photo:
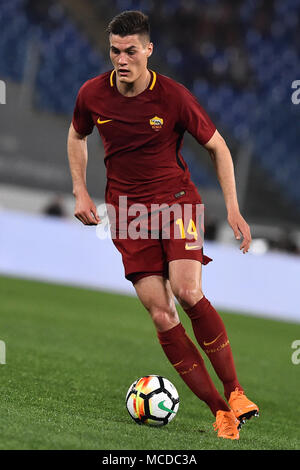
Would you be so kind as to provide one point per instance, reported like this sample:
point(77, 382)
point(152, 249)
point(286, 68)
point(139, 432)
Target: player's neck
point(136, 87)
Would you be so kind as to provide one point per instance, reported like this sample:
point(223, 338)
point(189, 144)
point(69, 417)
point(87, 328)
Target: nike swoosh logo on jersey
point(103, 122)
point(192, 247)
point(213, 341)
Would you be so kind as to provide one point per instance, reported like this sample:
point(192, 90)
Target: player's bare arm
point(85, 209)
point(222, 160)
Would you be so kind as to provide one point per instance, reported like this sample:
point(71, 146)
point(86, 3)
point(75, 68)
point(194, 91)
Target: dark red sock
point(211, 335)
point(185, 357)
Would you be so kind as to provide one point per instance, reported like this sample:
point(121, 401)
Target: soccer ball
point(152, 400)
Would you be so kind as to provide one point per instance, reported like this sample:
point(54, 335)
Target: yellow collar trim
point(153, 80)
point(111, 79)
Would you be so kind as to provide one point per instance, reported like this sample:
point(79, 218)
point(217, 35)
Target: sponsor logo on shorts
point(192, 247)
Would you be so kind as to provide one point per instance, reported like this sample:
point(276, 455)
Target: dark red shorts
point(177, 238)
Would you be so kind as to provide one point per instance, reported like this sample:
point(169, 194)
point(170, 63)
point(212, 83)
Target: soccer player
point(141, 117)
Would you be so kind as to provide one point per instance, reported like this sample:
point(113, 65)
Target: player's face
point(129, 56)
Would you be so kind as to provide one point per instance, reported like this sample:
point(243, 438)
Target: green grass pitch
point(72, 353)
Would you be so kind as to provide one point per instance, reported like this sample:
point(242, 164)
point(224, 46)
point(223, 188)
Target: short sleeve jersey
point(142, 135)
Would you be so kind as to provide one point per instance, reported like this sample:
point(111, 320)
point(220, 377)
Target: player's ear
point(150, 49)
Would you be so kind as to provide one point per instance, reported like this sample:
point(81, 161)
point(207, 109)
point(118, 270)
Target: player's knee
point(164, 318)
point(188, 296)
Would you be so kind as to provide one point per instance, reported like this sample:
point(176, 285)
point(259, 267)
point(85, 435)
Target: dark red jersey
point(142, 135)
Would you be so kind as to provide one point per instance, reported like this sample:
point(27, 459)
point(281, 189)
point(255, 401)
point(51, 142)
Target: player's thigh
point(185, 277)
point(156, 295)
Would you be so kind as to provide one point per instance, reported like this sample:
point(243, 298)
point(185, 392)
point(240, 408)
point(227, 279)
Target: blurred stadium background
point(239, 58)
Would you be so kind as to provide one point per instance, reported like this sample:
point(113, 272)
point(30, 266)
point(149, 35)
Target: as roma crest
point(156, 123)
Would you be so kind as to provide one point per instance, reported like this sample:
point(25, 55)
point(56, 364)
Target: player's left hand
point(240, 227)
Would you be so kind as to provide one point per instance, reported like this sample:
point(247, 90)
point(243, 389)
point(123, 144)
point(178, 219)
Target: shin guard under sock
point(211, 335)
point(187, 360)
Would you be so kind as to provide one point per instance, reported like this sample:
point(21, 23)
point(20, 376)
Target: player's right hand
point(86, 211)
point(240, 226)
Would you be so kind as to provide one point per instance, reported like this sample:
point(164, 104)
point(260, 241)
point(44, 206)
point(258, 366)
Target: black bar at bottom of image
point(130, 458)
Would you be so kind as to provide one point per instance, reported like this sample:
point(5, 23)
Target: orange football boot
point(227, 425)
point(242, 407)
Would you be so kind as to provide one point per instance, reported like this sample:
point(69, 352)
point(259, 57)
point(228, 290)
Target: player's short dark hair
point(130, 22)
